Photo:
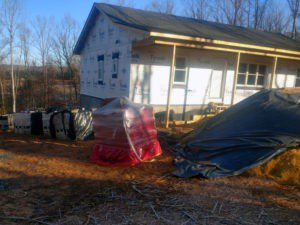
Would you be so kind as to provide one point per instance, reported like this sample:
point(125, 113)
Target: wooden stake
point(235, 76)
point(273, 71)
point(172, 73)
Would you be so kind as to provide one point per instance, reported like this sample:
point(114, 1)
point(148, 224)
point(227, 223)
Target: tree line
point(37, 65)
point(280, 16)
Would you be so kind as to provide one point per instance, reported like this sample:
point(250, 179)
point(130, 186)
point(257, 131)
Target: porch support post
point(172, 72)
point(272, 80)
point(235, 76)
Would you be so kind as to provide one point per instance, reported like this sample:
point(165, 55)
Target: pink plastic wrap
point(125, 134)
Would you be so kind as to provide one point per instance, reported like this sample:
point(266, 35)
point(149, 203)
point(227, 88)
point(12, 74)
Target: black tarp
point(36, 123)
point(245, 135)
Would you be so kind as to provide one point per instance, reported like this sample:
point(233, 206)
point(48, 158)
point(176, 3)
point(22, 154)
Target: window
point(115, 65)
point(251, 75)
point(100, 69)
point(180, 71)
point(297, 84)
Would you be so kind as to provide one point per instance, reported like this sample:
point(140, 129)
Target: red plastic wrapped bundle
point(125, 134)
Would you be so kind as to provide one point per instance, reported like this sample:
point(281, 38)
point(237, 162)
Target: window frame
point(257, 74)
point(180, 69)
point(115, 65)
point(101, 71)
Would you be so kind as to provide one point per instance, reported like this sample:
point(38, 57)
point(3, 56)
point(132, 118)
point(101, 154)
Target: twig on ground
point(24, 218)
point(156, 214)
point(215, 207)
point(189, 216)
point(220, 207)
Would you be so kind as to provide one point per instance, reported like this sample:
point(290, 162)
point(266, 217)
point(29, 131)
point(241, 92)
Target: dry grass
point(52, 182)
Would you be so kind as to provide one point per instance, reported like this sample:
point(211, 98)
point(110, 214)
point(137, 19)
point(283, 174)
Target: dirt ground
point(44, 181)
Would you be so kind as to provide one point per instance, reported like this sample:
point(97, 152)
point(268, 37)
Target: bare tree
point(64, 42)
point(276, 19)
point(247, 12)
point(25, 39)
point(58, 58)
point(259, 13)
point(217, 12)
point(128, 3)
point(162, 6)
point(3, 39)
point(11, 16)
point(42, 27)
point(198, 9)
point(294, 6)
point(232, 11)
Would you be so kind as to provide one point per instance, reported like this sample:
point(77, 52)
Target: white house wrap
point(134, 53)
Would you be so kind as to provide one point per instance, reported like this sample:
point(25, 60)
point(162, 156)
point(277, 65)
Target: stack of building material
point(36, 123)
point(46, 123)
point(62, 125)
point(22, 123)
point(28, 123)
point(125, 134)
point(83, 124)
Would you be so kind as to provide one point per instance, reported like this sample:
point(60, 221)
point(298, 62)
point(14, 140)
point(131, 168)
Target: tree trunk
point(294, 29)
point(2, 97)
point(63, 81)
point(14, 99)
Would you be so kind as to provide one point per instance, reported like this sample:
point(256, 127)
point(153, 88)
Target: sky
point(78, 9)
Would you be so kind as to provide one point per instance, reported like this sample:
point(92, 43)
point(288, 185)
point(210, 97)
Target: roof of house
point(167, 23)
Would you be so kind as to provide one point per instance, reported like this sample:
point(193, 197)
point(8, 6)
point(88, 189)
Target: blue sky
point(78, 9)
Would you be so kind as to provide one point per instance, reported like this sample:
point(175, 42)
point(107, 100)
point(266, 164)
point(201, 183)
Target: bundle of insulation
point(22, 124)
point(83, 124)
point(3, 123)
point(62, 125)
point(247, 134)
point(46, 123)
point(28, 123)
point(125, 134)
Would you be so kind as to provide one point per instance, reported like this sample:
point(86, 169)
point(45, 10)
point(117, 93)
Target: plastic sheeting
point(246, 135)
point(125, 134)
point(83, 124)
